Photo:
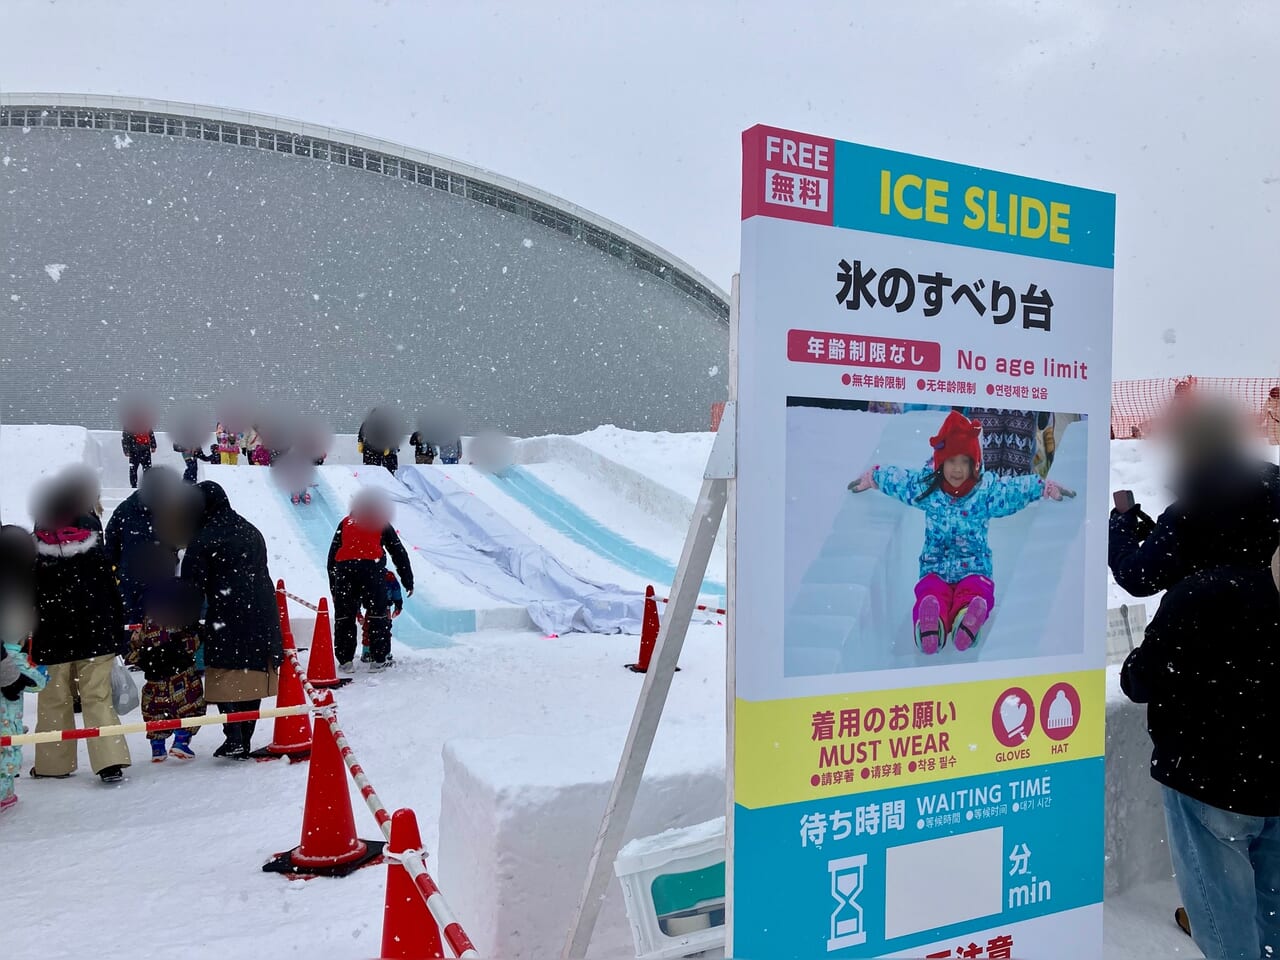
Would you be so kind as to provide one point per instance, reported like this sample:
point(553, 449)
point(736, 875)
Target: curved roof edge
point(462, 179)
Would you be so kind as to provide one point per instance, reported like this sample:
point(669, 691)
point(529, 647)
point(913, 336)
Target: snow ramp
point(461, 534)
point(566, 517)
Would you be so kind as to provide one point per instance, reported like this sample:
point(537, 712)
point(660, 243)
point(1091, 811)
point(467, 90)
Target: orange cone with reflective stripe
point(322, 669)
point(291, 736)
point(282, 606)
point(649, 628)
point(409, 931)
point(329, 847)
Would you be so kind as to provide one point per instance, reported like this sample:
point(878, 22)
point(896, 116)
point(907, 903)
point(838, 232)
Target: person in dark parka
point(138, 447)
point(132, 540)
point(357, 577)
point(1225, 513)
point(227, 562)
point(1209, 671)
point(80, 630)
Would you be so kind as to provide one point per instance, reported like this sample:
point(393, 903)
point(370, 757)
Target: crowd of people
point(1209, 671)
point(176, 587)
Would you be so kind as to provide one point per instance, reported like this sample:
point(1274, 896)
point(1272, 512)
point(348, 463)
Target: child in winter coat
point(191, 456)
point(423, 451)
point(228, 443)
point(14, 662)
point(138, 448)
point(955, 594)
point(164, 647)
point(395, 598)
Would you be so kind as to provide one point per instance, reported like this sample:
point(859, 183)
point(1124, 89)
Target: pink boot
point(929, 636)
point(969, 623)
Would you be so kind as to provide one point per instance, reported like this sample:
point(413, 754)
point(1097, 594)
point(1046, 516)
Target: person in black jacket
point(79, 633)
point(138, 445)
point(1209, 671)
point(357, 577)
point(133, 546)
point(379, 439)
point(1225, 513)
point(226, 562)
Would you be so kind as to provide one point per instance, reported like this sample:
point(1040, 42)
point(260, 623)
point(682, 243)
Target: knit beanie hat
point(959, 437)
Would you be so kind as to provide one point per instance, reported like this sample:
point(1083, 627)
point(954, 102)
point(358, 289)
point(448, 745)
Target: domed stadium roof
point(200, 253)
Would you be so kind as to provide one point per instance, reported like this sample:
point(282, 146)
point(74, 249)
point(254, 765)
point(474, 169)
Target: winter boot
point(182, 746)
point(158, 751)
point(969, 623)
point(50, 776)
point(232, 750)
point(379, 665)
point(295, 499)
point(347, 668)
point(929, 636)
point(8, 803)
point(111, 774)
point(306, 496)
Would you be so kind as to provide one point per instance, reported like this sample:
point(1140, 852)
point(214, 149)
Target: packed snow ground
point(170, 861)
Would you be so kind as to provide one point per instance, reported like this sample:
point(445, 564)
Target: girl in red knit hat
point(955, 594)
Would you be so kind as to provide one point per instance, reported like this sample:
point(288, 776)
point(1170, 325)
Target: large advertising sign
point(923, 379)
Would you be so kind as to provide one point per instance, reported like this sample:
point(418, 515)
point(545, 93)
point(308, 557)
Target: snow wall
point(519, 817)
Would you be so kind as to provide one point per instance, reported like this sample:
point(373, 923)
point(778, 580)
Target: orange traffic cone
point(649, 628)
point(329, 847)
point(291, 736)
point(409, 931)
point(282, 605)
point(321, 666)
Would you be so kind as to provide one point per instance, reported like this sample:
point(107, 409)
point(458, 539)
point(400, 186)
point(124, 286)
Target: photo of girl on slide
point(955, 594)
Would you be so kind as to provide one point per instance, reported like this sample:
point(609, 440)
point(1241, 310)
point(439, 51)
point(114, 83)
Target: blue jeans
point(1228, 872)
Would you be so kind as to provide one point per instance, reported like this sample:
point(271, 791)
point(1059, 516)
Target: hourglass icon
point(847, 929)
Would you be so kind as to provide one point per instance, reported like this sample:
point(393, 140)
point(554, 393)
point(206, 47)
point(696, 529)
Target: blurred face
point(956, 470)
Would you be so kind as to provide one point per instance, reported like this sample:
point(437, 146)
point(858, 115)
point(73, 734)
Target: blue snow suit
point(955, 530)
point(11, 718)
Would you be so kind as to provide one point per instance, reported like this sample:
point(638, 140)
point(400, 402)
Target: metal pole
point(653, 695)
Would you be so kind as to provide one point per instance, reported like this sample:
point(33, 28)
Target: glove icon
point(1013, 716)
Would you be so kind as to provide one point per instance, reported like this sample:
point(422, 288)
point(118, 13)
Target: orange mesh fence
point(1137, 405)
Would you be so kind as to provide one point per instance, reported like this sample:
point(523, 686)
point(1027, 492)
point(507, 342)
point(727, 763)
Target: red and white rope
point(701, 606)
point(301, 602)
point(412, 860)
point(152, 726)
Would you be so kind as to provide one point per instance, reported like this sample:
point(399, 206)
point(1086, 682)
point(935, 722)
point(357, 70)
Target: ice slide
point(567, 518)
point(423, 623)
point(461, 534)
point(849, 606)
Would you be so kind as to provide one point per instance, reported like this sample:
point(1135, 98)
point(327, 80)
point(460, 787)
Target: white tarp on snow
point(463, 535)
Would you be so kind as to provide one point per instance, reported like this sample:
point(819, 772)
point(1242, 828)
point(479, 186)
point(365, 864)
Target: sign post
point(917, 689)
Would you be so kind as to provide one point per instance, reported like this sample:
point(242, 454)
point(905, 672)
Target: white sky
point(635, 111)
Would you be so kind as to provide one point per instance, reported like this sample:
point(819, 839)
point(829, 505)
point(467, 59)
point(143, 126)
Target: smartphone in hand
point(1123, 500)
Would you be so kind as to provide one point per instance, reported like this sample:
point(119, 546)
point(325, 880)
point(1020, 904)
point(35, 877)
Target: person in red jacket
point(357, 577)
point(138, 441)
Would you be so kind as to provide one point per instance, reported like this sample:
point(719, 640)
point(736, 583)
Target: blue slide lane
point(566, 517)
point(421, 625)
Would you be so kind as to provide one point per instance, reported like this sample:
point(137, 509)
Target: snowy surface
point(676, 460)
point(566, 701)
point(30, 453)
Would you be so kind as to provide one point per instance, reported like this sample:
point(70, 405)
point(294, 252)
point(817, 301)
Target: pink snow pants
point(953, 598)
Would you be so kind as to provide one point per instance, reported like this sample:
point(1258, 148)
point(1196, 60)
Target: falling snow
point(54, 270)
